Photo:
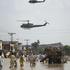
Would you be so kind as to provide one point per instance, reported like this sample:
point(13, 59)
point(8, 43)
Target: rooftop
point(51, 45)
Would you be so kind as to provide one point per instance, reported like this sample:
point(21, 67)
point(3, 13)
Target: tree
point(35, 46)
point(67, 49)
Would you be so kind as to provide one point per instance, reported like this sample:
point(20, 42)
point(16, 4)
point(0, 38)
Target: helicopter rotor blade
point(23, 20)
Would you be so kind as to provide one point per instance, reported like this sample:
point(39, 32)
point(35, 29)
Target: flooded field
point(39, 66)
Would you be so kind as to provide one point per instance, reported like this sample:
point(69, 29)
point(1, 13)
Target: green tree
point(35, 46)
point(67, 49)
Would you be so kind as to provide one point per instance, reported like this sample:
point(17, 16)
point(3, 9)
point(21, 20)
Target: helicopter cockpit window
point(32, 1)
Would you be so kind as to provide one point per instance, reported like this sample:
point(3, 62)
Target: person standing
point(13, 62)
point(21, 60)
point(1, 61)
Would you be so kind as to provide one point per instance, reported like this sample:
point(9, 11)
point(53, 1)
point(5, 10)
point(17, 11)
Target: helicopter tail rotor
point(46, 23)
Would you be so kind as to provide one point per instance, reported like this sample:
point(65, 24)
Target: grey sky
point(56, 12)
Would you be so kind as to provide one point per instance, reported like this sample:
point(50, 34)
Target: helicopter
point(29, 25)
point(36, 1)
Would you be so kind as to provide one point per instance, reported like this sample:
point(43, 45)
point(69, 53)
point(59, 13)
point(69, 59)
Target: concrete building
point(57, 45)
point(1, 47)
point(8, 45)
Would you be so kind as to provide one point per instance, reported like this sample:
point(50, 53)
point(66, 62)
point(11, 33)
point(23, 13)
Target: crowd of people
point(31, 58)
point(54, 56)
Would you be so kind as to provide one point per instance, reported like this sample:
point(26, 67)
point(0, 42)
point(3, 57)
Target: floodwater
point(39, 66)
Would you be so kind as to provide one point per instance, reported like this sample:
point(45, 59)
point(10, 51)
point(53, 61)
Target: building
point(8, 45)
point(57, 45)
point(1, 45)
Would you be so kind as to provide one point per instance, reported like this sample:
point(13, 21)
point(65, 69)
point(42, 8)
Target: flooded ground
point(39, 66)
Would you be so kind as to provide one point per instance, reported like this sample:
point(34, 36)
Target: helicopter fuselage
point(31, 25)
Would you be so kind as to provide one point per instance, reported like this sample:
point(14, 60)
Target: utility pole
point(27, 48)
point(27, 40)
point(11, 34)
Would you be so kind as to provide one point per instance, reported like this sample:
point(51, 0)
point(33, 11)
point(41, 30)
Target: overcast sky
point(56, 12)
